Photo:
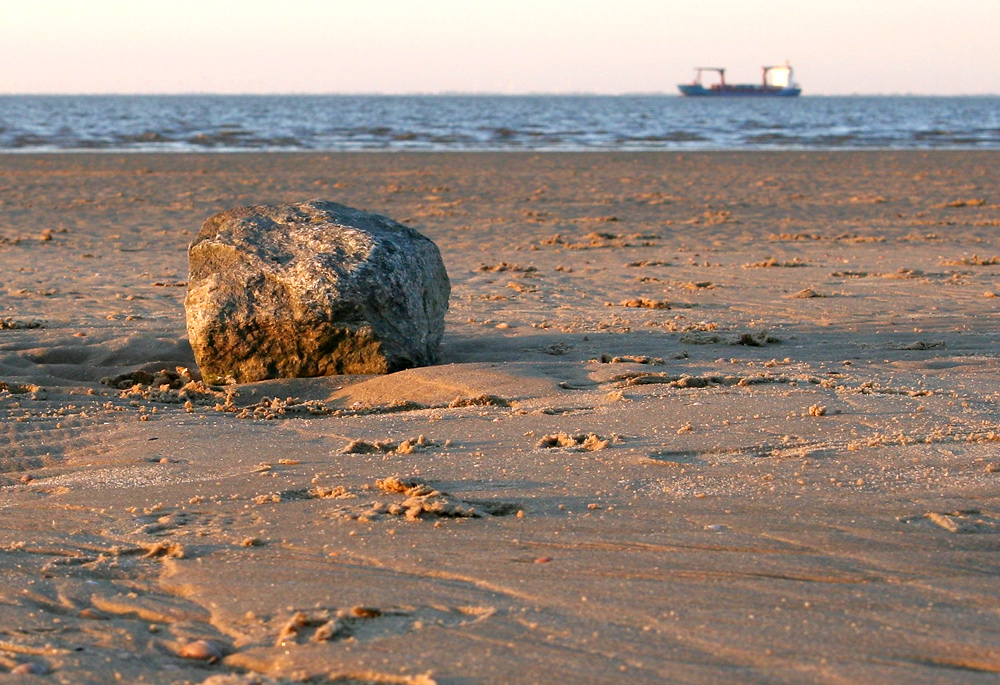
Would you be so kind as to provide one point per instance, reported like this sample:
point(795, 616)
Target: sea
point(232, 123)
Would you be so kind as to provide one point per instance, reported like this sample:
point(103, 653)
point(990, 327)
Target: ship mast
point(721, 72)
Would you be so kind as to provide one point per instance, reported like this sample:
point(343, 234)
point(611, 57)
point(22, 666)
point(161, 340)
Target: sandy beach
point(699, 418)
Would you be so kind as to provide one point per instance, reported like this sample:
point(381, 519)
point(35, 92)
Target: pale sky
point(929, 47)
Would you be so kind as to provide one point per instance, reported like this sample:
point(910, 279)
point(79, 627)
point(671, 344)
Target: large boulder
point(312, 289)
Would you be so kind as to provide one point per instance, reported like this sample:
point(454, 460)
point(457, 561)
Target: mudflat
point(699, 418)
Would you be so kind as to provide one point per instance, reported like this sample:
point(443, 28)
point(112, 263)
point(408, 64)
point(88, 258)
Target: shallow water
point(351, 123)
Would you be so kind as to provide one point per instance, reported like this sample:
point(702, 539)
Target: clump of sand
point(408, 446)
point(582, 441)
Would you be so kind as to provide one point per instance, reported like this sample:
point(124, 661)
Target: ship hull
point(694, 90)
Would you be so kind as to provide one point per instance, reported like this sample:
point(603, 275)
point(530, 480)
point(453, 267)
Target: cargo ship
point(775, 82)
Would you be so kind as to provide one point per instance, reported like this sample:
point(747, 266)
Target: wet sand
point(719, 417)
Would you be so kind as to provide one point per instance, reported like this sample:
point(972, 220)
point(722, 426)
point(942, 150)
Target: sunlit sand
point(720, 417)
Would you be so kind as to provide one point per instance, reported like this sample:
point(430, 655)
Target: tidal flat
point(698, 418)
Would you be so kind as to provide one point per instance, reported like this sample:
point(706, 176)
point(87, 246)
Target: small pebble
point(202, 650)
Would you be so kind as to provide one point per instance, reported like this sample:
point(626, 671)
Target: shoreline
point(583, 151)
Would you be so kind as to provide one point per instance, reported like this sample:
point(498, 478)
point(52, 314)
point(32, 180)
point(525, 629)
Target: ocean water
point(355, 123)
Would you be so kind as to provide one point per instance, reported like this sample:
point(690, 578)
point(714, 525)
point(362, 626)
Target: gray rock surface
point(312, 289)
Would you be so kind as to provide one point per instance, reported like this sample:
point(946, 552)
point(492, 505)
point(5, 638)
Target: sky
point(837, 47)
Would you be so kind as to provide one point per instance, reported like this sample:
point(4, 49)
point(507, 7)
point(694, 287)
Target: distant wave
point(358, 123)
